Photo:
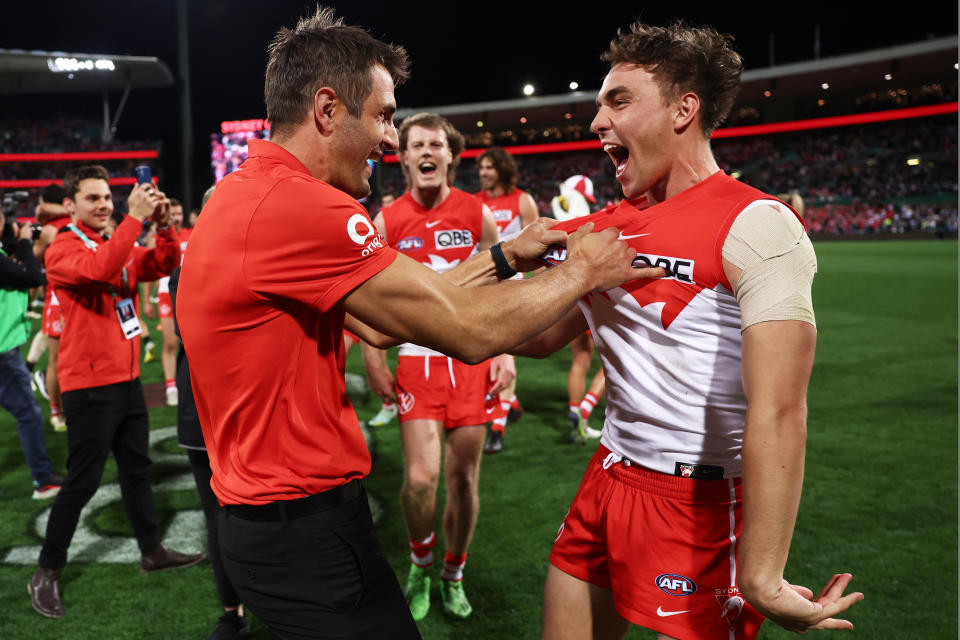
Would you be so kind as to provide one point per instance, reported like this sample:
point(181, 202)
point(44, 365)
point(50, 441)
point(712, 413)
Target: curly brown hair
point(505, 165)
point(684, 59)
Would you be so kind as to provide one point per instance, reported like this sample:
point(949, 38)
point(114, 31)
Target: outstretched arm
point(408, 301)
point(522, 253)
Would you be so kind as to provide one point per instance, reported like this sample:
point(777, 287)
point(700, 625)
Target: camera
point(11, 200)
point(36, 228)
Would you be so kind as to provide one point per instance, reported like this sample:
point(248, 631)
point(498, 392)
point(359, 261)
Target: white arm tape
point(770, 245)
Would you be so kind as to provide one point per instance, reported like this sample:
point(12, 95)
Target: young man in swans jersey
point(683, 520)
point(441, 401)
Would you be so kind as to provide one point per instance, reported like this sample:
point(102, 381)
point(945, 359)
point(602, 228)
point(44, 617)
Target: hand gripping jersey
point(506, 212)
point(441, 237)
point(671, 347)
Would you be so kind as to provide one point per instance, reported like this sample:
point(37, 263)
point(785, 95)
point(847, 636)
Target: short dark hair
point(52, 193)
point(681, 58)
point(175, 203)
point(434, 121)
point(323, 52)
point(71, 183)
point(505, 165)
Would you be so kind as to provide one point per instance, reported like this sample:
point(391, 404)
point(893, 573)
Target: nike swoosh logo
point(491, 409)
point(623, 237)
point(664, 614)
point(430, 225)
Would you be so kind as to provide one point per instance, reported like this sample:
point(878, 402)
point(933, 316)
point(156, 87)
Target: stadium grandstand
point(868, 140)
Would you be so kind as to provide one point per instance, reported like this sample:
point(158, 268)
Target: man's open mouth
point(619, 155)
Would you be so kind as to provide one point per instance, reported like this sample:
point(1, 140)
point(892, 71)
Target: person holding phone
point(96, 280)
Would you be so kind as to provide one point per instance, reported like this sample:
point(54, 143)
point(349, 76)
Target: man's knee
point(421, 483)
point(462, 481)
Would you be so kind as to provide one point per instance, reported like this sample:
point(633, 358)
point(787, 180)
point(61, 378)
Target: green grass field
point(880, 498)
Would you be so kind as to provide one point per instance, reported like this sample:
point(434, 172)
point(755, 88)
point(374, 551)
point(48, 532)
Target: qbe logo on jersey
point(677, 268)
point(676, 585)
point(453, 238)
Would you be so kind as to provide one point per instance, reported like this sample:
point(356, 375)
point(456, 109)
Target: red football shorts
point(164, 305)
point(665, 545)
point(443, 389)
point(52, 324)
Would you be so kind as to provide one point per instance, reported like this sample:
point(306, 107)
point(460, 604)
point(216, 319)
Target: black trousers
point(318, 576)
point(200, 464)
point(110, 418)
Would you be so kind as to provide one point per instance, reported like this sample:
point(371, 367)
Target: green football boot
point(455, 601)
point(577, 427)
point(418, 592)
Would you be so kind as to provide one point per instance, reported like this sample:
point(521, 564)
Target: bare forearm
point(477, 271)
point(368, 335)
point(773, 461)
point(469, 324)
point(495, 318)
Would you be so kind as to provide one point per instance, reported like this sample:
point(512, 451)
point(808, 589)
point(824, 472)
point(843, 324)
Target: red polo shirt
point(259, 309)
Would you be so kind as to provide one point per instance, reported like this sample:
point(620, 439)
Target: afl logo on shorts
point(410, 243)
point(359, 228)
point(405, 402)
point(676, 585)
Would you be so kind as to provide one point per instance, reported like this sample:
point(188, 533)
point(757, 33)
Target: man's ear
point(688, 109)
point(68, 205)
point(326, 103)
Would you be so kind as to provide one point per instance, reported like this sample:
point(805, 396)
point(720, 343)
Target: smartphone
point(144, 174)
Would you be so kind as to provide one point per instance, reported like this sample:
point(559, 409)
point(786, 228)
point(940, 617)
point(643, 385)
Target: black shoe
point(515, 413)
point(44, 588)
point(230, 625)
point(162, 558)
point(494, 442)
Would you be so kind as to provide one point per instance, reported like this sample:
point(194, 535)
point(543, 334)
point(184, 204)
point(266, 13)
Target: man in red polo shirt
point(282, 259)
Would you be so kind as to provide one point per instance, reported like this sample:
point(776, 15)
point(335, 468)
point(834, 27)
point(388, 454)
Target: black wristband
point(504, 270)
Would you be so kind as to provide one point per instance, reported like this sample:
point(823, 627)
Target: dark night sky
point(461, 52)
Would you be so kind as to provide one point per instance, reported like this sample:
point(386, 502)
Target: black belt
point(298, 508)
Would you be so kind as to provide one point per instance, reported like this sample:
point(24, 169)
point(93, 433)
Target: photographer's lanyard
point(126, 312)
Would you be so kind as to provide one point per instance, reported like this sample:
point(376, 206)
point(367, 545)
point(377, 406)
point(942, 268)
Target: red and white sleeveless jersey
point(441, 237)
point(671, 347)
point(506, 212)
point(183, 236)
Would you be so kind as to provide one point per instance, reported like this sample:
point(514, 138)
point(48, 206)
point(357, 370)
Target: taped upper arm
point(774, 265)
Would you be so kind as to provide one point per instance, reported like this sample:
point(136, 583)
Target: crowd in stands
point(741, 115)
point(60, 133)
point(852, 179)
